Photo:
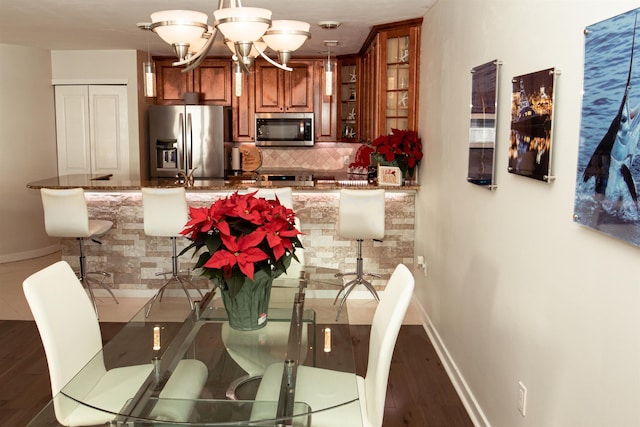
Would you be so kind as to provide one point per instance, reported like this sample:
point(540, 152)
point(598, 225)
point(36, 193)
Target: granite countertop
point(327, 181)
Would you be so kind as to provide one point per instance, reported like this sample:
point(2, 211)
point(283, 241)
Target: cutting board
point(251, 158)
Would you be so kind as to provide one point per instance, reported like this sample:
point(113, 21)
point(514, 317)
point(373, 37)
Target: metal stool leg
point(86, 280)
point(359, 280)
point(174, 277)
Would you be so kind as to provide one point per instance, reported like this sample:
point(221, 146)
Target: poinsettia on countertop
point(402, 146)
point(240, 234)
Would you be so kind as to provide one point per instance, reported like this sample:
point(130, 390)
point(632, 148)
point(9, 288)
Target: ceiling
point(111, 24)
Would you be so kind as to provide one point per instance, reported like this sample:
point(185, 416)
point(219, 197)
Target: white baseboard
point(35, 253)
point(468, 399)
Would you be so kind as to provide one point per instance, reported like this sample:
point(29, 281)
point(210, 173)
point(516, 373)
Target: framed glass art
point(606, 196)
point(482, 125)
point(531, 124)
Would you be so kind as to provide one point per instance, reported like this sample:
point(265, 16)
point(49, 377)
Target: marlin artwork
point(610, 164)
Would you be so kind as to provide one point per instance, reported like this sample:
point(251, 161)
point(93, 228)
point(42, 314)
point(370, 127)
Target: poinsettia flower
point(241, 251)
point(204, 219)
point(403, 147)
point(278, 212)
point(251, 234)
point(279, 235)
point(248, 207)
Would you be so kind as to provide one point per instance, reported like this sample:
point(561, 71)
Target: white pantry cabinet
point(92, 129)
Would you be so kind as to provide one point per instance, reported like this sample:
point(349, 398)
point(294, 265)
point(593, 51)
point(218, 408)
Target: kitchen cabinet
point(369, 90)
point(244, 111)
point(391, 68)
point(212, 80)
point(92, 129)
point(325, 106)
point(348, 95)
point(280, 91)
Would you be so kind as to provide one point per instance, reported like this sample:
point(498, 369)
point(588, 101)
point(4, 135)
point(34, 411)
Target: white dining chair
point(324, 388)
point(66, 215)
point(72, 343)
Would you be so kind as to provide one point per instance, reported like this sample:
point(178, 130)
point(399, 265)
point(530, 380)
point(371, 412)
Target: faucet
point(186, 179)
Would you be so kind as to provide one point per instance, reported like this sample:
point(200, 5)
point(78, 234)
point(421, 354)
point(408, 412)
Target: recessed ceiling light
point(329, 25)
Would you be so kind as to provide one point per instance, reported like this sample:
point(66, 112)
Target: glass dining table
point(225, 395)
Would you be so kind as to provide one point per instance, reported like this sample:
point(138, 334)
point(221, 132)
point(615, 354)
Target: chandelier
point(247, 31)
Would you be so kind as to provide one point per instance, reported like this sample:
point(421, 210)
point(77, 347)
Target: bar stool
point(285, 196)
point(66, 215)
point(165, 213)
point(361, 216)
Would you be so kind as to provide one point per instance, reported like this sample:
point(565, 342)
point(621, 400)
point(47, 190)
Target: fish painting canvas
point(531, 120)
point(608, 169)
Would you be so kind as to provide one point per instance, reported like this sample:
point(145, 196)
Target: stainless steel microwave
point(284, 129)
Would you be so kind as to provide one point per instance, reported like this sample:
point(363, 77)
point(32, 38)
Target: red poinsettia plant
point(403, 147)
point(240, 234)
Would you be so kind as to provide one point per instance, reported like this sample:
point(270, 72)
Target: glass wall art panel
point(608, 168)
point(482, 126)
point(531, 124)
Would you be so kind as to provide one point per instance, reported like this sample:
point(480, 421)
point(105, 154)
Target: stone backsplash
point(322, 156)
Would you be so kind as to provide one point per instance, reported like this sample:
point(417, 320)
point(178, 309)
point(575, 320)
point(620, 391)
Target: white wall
point(516, 291)
point(104, 66)
point(28, 150)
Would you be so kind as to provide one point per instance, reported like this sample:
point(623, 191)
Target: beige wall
point(103, 67)
point(28, 150)
point(516, 291)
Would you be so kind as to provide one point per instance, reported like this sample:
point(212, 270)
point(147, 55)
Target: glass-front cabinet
point(348, 106)
point(390, 70)
point(398, 77)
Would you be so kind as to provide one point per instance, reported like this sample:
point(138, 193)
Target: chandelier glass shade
point(247, 32)
point(242, 24)
point(179, 26)
point(286, 36)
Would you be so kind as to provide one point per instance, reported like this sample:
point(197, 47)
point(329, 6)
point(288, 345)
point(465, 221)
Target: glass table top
point(186, 365)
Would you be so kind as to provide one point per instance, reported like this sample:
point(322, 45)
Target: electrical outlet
point(522, 398)
point(421, 264)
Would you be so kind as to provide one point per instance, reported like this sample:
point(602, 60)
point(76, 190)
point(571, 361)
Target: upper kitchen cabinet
point(348, 94)
point(391, 67)
point(212, 80)
point(91, 129)
point(280, 91)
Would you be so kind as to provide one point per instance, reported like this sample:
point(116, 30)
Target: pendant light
point(238, 77)
point(328, 68)
point(149, 75)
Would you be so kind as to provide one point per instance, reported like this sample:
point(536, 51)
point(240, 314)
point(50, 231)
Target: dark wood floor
point(419, 392)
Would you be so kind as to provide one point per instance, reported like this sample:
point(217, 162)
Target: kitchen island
point(134, 259)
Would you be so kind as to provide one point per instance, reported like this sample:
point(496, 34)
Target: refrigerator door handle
point(189, 144)
point(181, 143)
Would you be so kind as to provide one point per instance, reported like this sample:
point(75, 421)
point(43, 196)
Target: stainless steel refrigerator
point(189, 139)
